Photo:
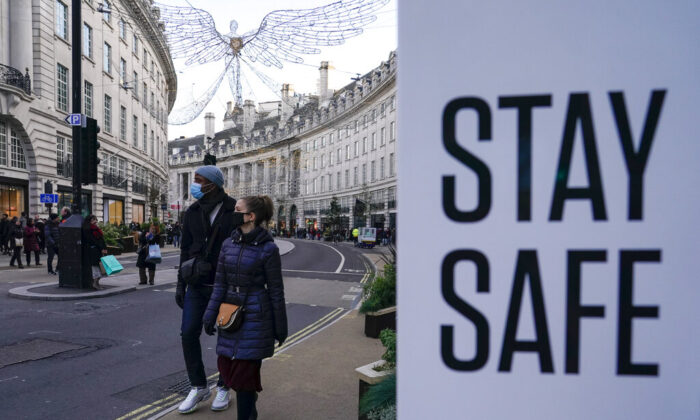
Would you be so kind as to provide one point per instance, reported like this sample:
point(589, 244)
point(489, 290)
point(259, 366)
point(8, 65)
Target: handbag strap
point(210, 239)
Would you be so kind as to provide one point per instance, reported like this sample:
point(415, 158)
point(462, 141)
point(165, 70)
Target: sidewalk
point(313, 379)
point(112, 285)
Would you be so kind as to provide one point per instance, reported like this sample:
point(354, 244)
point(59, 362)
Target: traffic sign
point(77, 120)
point(48, 198)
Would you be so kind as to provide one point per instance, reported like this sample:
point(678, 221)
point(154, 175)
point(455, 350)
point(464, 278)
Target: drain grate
point(183, 387)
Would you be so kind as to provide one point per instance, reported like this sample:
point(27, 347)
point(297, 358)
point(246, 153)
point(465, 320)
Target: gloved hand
point(180, 295)
point(209, 328)
point(281, 340)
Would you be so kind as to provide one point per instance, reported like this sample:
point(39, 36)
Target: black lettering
point(468, 311)
point(636, 161)
point(449, 139)
point(579, 110)
point(524, 105)
point(627, 311)
point(574, 310)
point(527, 267)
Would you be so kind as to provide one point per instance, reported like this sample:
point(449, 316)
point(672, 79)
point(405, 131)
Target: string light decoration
point(283, 36)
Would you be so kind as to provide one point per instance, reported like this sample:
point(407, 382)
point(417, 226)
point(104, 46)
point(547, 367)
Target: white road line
point(342, 257)
point(320, 272)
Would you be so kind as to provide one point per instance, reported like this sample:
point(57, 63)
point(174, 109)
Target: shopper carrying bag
point(144, 261)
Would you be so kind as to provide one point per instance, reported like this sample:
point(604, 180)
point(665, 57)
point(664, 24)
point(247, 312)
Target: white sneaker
point(193, 398)
point(221, 401)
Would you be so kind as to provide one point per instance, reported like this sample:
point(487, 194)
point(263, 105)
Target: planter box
point(128, 244)
point(375, 322)
point(114, 250)
point(367, 377)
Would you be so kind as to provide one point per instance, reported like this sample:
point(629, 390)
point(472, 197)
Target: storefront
point(13, 197)
point(113, 210)
point(138, 212)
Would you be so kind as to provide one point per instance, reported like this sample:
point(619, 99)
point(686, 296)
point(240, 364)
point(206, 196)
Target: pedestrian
point(4, 234)
point(206, 224)
point(39, 223)
point(31, 242)
point(94, 238)
point(23, 220)
point(52, 237)
point(16, 242)
point(65, 214)
point(152, 237)
point(176, 234)
point(249, 273)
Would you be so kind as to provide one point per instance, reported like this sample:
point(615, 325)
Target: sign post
point(558, 157)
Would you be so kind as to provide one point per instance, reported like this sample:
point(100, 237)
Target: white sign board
point(551, 151)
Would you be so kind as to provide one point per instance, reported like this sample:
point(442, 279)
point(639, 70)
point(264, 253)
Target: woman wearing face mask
point(31, 242)
point(249, 273)
point(16, 239)
point(94, 238)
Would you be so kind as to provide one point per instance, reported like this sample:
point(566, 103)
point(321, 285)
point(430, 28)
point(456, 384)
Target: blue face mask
point(196, 191)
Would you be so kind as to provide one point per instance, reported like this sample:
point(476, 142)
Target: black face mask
point(237, 219)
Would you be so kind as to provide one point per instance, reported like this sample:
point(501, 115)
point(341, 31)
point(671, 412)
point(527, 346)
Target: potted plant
point(379, 299)
point(378, 383)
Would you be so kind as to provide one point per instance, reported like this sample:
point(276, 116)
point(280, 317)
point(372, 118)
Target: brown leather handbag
point(230, 317)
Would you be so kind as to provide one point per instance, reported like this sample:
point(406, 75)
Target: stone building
point(129, 86)
point(305, 150)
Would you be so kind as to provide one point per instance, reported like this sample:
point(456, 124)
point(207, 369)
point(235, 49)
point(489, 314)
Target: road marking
point(355, 289)
point(44, 331)
point(9, 379)
point(342, 257)
point(147, 406)
point(348, 297)
point(319, 272)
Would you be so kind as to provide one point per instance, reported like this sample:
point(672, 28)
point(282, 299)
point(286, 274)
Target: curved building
point(129, 87)
point(304, 151)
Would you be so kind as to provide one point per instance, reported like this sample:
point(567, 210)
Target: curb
point(25, 293)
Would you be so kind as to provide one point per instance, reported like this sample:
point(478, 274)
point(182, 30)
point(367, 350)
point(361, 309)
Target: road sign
point(48, 198)
point(75, 119)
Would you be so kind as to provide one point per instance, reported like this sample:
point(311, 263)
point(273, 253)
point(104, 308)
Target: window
point(392, 131)
point(153, 100)
point(337, 157)
point(122, 29)
point(330, 182)
point(135, 134)
point(135, 85)
point(16, 151)
point(354, 182)
point(145, 57)
point(323, 141)
point(382, 137)
point(357, 148)
point(323, 184)
point(330, 159)
point(374, 115)
point(373, 171)
point(64, 153)
point(135, 46)
point(108, 114)
point(381, 168)
point(374, 141)
point(87, 40)
point(152, 143)
point(152, 68)
point(61, 20)
point(3, 144)
point(61, 88)
point(145, 95)
point(122, 71)
point(347, 178)
point(337, 180)
point(315, 144)
point(315, 167)
point(364, 173)
point(391, 164)
point(157, 151)
point(122, 124)
point(323, 161)
point(357, 126)
point(330, 138)
point(88, 98)
point(314, 190)
point(144, 144)
point(393, 103)
point(107, 15)
point(364, 145)
point(347, 152)
point(364, 121)
point(106, 67)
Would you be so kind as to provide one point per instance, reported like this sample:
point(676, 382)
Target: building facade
point(304, 151)
point(129, 86)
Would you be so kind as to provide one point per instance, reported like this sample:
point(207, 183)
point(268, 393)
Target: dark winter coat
point(31, 243)
point(16, 232)
point(95, 246)
point(4, 229)
point(143, 250)
point(196, 226)
point(52, 234)
point(251, 261)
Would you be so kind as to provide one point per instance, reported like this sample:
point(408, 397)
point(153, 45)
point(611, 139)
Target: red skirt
point(240, 375)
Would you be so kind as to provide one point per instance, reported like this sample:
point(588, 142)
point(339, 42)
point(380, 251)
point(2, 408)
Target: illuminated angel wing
point(192, 34)
point(284, 34)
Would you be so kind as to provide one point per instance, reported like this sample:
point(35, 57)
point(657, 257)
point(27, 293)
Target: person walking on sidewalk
point(206, 224)
point(52, 236)
point(176, 234)
point(16, 242)
point(94, 238)
point(31, 242)
point(249, 273)
point(152, 237)
point(4, 233)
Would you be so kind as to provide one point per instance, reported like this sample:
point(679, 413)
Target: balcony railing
point(139, 187)
point(113, 180)
point(13, 77)
point(392, 204)
point(64, 167)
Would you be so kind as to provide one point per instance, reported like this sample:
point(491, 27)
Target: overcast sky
point(357, 55)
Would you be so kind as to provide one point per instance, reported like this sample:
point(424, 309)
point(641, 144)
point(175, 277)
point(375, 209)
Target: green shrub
point(379, 396)
point(388, 339)
point(381, 292)
point(111, 233)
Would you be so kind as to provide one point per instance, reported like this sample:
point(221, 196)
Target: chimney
point(229, 107)
point(248, 116)
point(323, 83)
point(287, 107)
point(208, 125)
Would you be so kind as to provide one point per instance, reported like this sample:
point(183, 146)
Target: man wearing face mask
point(206, 224)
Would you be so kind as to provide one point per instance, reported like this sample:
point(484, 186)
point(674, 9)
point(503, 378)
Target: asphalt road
point(120, 356)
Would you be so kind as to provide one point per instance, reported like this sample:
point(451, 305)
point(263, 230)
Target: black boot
point(151, 277)
point(245, 405)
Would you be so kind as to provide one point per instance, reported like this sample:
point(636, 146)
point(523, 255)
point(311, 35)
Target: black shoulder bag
point(197, 269)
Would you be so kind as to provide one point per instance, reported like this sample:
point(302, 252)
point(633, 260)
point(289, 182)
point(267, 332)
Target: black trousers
point(16, 256)
point(49, 261)
point(29, 256)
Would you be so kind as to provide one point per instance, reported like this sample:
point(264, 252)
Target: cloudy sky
point(358, 55)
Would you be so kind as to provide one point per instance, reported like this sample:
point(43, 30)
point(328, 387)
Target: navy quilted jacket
point(247, 260)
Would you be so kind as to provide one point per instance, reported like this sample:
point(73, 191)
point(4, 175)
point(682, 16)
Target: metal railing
point(64, 167)
point(13, 77)
point(113, 180)
point(139, 187)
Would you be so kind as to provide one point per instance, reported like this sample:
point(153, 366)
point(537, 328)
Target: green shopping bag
point(111, 265)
